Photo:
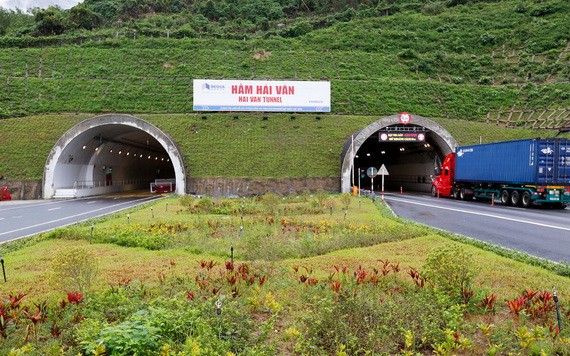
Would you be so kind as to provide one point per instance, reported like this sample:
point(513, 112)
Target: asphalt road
point(20, 218)
point(543, 233)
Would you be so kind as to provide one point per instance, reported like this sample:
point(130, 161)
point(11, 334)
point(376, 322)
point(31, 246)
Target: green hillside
point(223, 146)
point(502, 65)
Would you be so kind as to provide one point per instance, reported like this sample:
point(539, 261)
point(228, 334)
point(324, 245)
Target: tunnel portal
point(109, 154)
point(408, 146)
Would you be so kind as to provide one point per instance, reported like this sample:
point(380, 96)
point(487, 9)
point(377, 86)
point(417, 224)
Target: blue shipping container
point(534, 161)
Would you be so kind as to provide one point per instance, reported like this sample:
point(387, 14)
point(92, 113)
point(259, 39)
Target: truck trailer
point(518, 173)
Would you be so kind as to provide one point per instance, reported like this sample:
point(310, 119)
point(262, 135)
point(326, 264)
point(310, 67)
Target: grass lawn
point(307, 265)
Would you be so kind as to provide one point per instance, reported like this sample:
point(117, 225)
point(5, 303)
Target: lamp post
point(3, 270)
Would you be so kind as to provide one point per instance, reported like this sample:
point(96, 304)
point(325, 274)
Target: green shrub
point(131, 337)
point(373, 322)
point(270, 202)
point(450, 269)
point(130, 238)
point(74, 269)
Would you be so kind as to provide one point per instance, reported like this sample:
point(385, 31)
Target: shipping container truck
point(519, 173)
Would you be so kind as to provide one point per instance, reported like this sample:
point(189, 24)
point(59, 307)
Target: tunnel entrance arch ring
point(90, 127)
point(443, 138)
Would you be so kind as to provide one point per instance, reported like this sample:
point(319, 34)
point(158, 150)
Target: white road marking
point(52, 209)
point(68, 217)
point(482, 214)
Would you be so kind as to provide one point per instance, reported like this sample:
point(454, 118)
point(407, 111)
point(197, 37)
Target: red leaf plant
point(6, 319)
point(229, 265)
point(419, 280)
point(516, 305)
point(232, 279)
point(488, 302)
point(395, 267)
point(335, 286)
point(35, 319)
point(235, 292)
point(343, 269)
point(74, 297)
point(360, 275)
point(466, 294)
point(243, 268)
point(542, 305)
point(15, 300)
point(250, 280)
point(55, 330)
point(312, 281)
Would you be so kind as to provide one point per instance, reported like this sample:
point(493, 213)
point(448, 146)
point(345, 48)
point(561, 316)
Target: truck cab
point(443, 182)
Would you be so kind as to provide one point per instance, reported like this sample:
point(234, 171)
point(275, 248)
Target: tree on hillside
point(108, 10)
point(82, 17)
point(50, 21)
point(11, 19)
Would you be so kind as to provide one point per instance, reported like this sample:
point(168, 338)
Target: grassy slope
point(431, 65)
point(429, 61)
point(223, 146)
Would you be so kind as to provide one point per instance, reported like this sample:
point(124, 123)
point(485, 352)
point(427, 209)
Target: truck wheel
point(515, 198)
point(505, 197)
point(462, 194)
point(433, 191)
point(455, 193)
point(526, 200)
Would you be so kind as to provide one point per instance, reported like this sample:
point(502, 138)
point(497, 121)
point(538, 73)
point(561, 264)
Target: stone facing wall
point(31, 189)
point(23, 189)
point(256, 186)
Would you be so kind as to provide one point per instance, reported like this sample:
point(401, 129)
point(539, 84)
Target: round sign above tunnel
point(408, 146)
point(112, 153)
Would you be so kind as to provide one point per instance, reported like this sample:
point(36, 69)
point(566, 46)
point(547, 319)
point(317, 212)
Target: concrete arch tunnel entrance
point(111, 153)
point(409, 146)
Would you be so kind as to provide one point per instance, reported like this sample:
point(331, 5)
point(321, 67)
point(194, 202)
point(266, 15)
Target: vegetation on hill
point(453, 59)
point(503, 63)
point(223, 146)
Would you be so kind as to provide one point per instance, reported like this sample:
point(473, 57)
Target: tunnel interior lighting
point(84, 147)
point(368, 155)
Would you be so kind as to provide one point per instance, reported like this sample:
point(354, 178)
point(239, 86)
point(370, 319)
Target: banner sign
point(261, 95)
point(405, 136)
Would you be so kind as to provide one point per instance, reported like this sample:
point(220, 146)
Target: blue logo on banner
point(213, 87)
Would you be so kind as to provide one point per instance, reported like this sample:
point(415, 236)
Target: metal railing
point(88, 184)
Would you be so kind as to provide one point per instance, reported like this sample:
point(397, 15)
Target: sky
point(42, 4)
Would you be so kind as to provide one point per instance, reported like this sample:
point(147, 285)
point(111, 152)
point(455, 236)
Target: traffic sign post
point(383, 172)
point(372, 172)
